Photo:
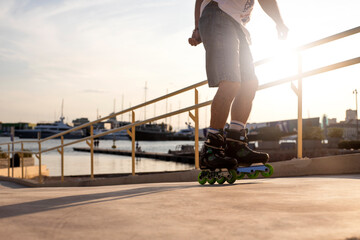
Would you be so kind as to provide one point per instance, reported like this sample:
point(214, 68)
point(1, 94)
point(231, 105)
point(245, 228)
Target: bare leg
point(242, 104)
point(220, 106)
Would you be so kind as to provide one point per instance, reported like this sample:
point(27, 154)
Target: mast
point(145, 100)
point(62, 112)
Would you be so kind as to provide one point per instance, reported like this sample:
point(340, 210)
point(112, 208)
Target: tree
point(335, 132)
point(269, 134)
point(312, 133)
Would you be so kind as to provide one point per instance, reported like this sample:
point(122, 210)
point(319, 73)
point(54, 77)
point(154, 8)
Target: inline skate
point(214, 165)
point(249, 162)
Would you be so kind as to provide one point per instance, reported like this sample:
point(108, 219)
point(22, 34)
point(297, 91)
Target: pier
point(140, 154)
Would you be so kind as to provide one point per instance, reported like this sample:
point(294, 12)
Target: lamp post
point(357, 122)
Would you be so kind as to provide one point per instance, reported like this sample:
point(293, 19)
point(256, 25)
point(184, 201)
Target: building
point(288, 126)
point(332, 121)
point(350, 125)
point(80, 121)
point(6, 127)
point(350, 115)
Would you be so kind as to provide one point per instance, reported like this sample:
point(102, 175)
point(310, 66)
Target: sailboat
point(44, 130)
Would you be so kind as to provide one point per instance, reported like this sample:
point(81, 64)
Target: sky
point(98, 56)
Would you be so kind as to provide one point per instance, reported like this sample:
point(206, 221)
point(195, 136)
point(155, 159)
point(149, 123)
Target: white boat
point(121, 135)
point(44, 130)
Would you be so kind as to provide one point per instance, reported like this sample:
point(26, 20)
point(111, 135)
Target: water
point(78, 163)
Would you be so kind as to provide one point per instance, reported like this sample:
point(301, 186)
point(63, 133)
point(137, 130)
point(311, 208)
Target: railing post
point(61, 151)
point(92, 151)
point(12, 151)
point(39, 157)
point(196, 130)
point(300, 119)
point(195, 118)
point(22, 160)
point(91, 146)
point(8, 157)
point(133, 145)
point(132, 136)
point(62, 158)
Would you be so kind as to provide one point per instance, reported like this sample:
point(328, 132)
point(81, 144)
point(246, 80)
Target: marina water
point(78, 163)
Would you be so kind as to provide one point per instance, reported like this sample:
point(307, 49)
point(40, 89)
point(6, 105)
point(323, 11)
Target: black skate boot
point(213, 161)
point(237, 147)
point(212, 155)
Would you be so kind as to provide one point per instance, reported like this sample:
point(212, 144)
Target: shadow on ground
point(10, 185)
point(78, 200)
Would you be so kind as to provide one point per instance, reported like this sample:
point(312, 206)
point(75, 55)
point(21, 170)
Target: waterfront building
point(5, 128)
point(350, 115)
point(349, 126)
point(287, 126)
point(80, 121)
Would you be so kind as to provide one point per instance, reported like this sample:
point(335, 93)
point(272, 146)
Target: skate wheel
point(211, 181)
point(253, 175)
point(202, 177)
point(241, 176)
point(270, 171)
point(221, 180)
point(232, 176)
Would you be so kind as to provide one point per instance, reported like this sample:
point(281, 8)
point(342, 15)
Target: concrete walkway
point(326, 207)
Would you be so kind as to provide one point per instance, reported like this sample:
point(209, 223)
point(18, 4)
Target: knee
point(253, 85)
point(248, 89)
point(229, 89)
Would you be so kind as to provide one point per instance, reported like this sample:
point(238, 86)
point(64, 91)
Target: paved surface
point(326, 207)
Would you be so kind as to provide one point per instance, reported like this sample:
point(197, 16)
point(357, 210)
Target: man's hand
point(282, 31)
point(195, 38)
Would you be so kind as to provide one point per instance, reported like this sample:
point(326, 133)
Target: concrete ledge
point(331, 165)
point(339, 164)
point(81, 181)
point(29, 171)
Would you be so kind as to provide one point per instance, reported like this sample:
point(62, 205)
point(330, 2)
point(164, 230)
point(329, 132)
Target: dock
point(160, 156)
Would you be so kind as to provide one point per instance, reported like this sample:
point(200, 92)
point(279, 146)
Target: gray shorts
point(228, 56)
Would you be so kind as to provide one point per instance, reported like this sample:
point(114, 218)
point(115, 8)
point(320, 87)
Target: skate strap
point(236, 140)
point(236, 136)
point(211, 146)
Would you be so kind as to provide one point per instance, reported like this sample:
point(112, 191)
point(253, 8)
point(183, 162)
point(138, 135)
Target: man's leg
point(241, 107)
point(212, 153)
point(236, 140)
point(220, 106)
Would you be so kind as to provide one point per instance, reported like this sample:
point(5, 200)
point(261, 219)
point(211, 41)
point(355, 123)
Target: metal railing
point(194, 116)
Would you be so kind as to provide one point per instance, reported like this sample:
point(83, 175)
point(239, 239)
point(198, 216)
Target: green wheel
point(253, 175)
point(270, 171)
point(211, 180)
point(232, 176)
point(241, 176)
point(202, 177)
point(221, 180)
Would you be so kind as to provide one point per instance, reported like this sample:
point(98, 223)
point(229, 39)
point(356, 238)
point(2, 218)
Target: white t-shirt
point(240, 10)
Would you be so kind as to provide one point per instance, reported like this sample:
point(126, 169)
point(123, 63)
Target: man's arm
point(195, 38)
point(271, 8)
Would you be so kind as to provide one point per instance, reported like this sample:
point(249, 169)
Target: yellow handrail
point(195, 107)
point(316, 43)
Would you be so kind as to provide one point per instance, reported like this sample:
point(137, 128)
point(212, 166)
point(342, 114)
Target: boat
point(44, 130)
point(121, 135)
point(184, 134)
point(160, 132)
point(152, 132)
point(183, 150)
